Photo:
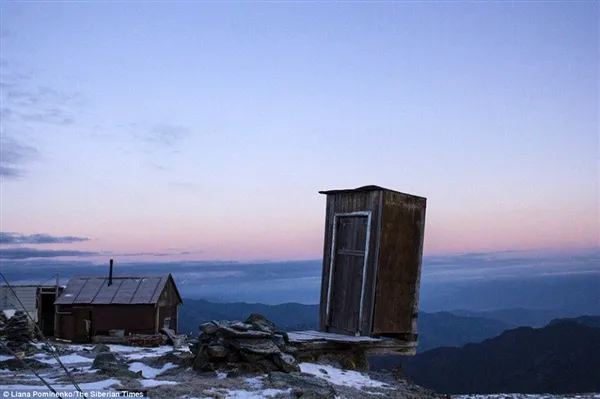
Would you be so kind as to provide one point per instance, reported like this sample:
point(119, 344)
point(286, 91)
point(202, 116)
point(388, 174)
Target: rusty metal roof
point(366, 188)
point(124, 290)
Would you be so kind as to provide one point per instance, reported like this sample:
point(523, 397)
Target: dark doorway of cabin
point(348, 272)
point(45, 309)
point(46, 313)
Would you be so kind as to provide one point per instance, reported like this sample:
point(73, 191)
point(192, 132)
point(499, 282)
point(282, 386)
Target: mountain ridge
point(559, 358)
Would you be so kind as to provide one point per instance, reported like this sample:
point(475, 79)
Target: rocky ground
point(232, 360)
point(167, 373)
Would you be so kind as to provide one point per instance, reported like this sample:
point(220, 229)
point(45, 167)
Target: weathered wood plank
point(310, 342)
point(400, 260)
point(327, 252)
point(319, 335)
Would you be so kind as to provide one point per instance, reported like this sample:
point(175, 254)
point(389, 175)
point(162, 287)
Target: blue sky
point(204, 130)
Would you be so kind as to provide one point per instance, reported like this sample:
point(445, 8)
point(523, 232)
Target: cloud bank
point(15, 238)
point(300, 281)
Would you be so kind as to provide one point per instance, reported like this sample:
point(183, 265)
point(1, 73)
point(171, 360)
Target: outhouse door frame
point(336, 218)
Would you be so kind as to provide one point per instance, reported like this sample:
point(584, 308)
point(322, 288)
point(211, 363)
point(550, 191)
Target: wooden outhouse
point(372, 263)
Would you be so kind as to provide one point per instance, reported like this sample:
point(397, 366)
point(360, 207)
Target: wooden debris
point(148, 341)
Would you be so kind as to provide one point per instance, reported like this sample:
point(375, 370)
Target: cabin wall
point(400, 257)
point(167, 307)
point(346, 203)
point(169, 295)
point(169, 312)
point(25, 294)
point(65, 323)
point(135, 319)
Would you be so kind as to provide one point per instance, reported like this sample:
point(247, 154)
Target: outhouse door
point(347, 276)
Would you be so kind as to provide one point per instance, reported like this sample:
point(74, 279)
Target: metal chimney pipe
point(110, 273)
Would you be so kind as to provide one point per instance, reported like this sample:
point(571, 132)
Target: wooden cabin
point(372, 263)
point(135, 304)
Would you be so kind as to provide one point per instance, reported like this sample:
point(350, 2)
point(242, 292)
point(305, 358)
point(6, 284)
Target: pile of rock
point(18, 330)
point(253, 345)
point(3, 321)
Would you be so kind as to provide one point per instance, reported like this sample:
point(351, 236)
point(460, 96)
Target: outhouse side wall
point(347, 202)
point(399, 269)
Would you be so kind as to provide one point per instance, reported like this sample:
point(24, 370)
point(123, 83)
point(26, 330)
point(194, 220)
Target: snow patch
point(125, 348)
point(337, 376)
point(8, 313)
point(265, 393)
point(527, 396)
point(136, 353)
point(67, 359)
point(147, 371)
point(255, 382)
point(221, 376)
point(150, 383)
point(245, 394)
point(90, 386)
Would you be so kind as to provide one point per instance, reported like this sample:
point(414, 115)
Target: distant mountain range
point(287, 316)
point(563, 357)
point(462, 351)
point(435, 329)
point(447, 329)
point(518, 317)
point(590, 321)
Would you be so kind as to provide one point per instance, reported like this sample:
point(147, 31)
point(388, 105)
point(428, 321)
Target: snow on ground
point(150, 383)
point(8, 313)
point(147, 371)
point(265, 393)
point(528, 396)
point(140, 353)
point(3, 358)
point(337, 376)
point(255, 382)
point(125, 348)
point(66, 359)
point(221, 376)
point(244, 394)
point(87, 369)
point(89, 386)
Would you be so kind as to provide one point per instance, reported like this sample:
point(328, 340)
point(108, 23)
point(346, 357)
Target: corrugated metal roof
point(123, 290)
point(366, 188)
